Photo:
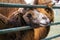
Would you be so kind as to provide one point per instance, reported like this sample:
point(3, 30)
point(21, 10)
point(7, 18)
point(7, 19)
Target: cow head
point(39, 16)
point(35, 18)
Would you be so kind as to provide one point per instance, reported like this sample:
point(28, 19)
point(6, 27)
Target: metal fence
point(26, 6)
point(3, 31)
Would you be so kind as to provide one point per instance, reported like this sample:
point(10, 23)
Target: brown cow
point(32, 20)
point(41, 16)
point(42, 32)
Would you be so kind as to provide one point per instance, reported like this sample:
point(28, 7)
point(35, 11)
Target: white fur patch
point(31, 2)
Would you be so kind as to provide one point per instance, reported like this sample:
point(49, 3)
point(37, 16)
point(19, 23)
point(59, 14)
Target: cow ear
point(50, 5)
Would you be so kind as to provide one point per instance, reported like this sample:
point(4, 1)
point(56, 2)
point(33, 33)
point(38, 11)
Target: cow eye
point(29, 15)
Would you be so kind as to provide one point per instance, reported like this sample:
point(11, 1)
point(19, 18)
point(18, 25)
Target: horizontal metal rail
point(25, 6)
point(3, 31)
point(52, 37)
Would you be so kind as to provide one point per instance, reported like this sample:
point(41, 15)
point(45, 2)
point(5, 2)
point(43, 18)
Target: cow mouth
point(41, 24)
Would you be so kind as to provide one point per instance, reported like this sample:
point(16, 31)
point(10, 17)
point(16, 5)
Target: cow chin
point(44, 22)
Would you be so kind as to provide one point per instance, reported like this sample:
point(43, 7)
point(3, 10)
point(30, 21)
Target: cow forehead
point(39, 13)
point(31, 2)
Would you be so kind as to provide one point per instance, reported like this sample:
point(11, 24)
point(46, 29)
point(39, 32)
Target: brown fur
point(36, 34)
point(6, 12)
point(42, 32)
point(9, 23)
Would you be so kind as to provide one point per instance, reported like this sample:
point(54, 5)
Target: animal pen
point(3, 31)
